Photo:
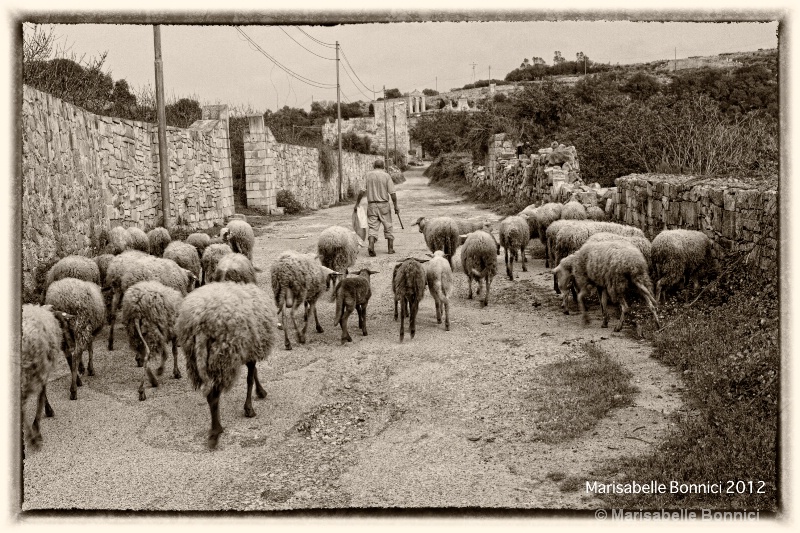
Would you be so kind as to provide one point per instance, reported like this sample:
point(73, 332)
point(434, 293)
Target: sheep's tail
point(649, 298)
point(339, 294)
point(481, 273)
point(137, 325)
point(288, 298)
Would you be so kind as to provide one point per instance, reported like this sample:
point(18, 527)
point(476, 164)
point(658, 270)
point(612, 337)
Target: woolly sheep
point(479, 261)
point(150, 268)
point(39, 350)
point(641, 243)
point(468, 226)
point(593, 212)
point(149, 312)
point(220, 327)
point(83, 300)
point(102, 261)
point(234, 267)
point(138, 240)
point(441, 233)
point(550, 238)
point(200, 241)
point(239, 235)
point(73, 266)
point(338, 248)
point(113, 283)
point(679, 255)
point(299, 279)
point(439, 276)
point(408, 286)
point(529, 213)
point(211, 256)
point(353, 293)
point(118, 240)
point(185, 255)
point(514, 237)
point(564, 275)
point(543, 217)
point(611, 267)
point(159, 239)
point(573, 210)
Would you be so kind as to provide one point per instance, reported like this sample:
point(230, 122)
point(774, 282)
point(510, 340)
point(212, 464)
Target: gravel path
point(440, 420)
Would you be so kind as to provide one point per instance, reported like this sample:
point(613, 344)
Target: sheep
point(211, 256)
point(40, 347)
point(159, 239)
point(338, 248)
point(408, 286)
point(299, 279)
point(530, 216)
point(439, 276)
point(640, 242)
point(478, 259)
point(149, 312)
point(564, 275)
point(113, 283)
point(611, 267)
point(543, 217)
point(593, 212)
point(514, 237)
point(118, 240)
point(550, 239)
point(220, 327)
point(353, 293)
point(148, 268)
point(83, 300)
point(573, 210)
point(441, 233)
point(102, 261)
point(468, 226)
point(200, 241)
point(138, 240)
point(73, 266)
point(679, 255)
point(234, 267)
point(185, 255)
point(239, 235)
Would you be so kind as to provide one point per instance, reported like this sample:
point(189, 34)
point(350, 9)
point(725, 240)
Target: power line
point(308, 81)
point(354, 83)
point(356, 75)
point(303, 47)
point(329, 45)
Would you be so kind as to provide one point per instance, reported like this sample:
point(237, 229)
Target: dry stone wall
point(738, 215)
point(84, 173)
point(271, 166)
point(375, 127)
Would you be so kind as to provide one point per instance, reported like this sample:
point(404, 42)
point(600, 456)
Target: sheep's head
point(224, 234)
point(421, 222)
point(563, 272)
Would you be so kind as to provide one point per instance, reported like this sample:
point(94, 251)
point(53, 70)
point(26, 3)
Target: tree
point(429, 92)
point(538, 61)
point(641, 86)
point(123, 102)
point(557, 58)
point(183, 113)
point(393, 93)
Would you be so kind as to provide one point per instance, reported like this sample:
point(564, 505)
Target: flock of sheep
point(201, 293)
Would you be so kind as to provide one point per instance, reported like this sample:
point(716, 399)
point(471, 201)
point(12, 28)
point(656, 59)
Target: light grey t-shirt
point(378, 185)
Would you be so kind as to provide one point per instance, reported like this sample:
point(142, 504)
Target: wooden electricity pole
point(339, 122)
point(163, 159)
point(394, 132)
point(386, 131)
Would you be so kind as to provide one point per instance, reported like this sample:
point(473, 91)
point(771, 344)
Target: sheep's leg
point(316, 320)
point(176, 373)
point(113, 318)
point(35, 434)
point(48, 410)
point(573, 291)
point(658, 290)
point(565, 303)
point(412, 321)
point(524, 263)
point(395, 308)
point(469, 284)
point(438, 305)
point(581, 307)
point(486, 296)
point(623, 308)
point(364, 319)
point(249, 412)
point(446, 302)
point(73, 367)
point(286, 342)
point(260, 392)
point(348, 309)
point(402, 319)
point(604, 307)
point(505, 260)
point(300, 336)
point(216, 427)
point(546, 254)
point(90, 348)
point(305, 320)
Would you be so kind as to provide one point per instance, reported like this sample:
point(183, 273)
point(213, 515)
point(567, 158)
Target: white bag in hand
point(360, 223)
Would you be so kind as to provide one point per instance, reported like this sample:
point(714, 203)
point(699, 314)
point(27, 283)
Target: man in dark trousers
point(378, 187)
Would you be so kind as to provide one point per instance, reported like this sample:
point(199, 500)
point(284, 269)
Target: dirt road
point(445, 419)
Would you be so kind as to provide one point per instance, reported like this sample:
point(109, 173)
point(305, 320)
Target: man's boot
point(391, 245)
point(372, 246)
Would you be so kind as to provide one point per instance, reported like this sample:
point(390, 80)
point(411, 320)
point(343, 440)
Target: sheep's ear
point(429, 255)
point(372, 272)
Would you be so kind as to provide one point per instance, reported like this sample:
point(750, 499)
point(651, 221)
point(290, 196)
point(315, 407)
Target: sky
point(216, 64)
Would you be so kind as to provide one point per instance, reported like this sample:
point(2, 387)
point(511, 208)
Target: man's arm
point(394, 200)
point(358, 200)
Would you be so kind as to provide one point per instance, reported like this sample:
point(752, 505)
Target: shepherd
point(379, 187)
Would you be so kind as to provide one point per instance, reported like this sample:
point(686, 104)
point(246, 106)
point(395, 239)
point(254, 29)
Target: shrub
point(448, 167)
point(289, 203)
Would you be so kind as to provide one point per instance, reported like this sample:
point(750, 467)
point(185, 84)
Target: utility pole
point(394, 132)
point(338, 122)
point(437, 84)
point(473, 71)
point(490, 74)
point(163, 159)
point(675, 63)
point(584, 65)
point(386, 132)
